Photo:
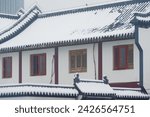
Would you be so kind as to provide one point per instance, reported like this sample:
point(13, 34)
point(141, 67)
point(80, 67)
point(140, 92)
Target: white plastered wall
point(115, 76)
point(67, 78)
point(15, 68)
point(27, 78)
point(144, 39)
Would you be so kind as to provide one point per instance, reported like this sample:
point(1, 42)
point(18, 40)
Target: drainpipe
point(141, 54)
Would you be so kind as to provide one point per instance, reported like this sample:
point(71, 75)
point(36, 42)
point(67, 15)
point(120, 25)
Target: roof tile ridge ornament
point(34, 10)
point(134, 20)
point(140, 20)
point(21, 12)
point(105, 79)
point(76, 78)
point(35, 7)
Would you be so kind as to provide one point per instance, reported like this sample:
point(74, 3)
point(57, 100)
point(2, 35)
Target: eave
point(69, 43)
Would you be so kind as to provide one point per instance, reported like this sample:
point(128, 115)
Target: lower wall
point(27, 78)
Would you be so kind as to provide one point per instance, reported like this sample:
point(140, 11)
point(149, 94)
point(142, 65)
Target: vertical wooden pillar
point(20, 67)
point(56, 65)
point(100, 61)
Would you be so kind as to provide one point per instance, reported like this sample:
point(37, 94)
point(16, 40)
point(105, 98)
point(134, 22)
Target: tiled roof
point(96, 88)
point(37, 90)
point(20, 25)
point(82, 89)
point(148, 91)
point(84, 25)
point(7, 20)
point(142, 19)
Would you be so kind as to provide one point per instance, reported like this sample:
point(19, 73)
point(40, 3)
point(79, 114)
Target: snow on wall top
point(54, 27)
point(143, 19)
point(130, 93)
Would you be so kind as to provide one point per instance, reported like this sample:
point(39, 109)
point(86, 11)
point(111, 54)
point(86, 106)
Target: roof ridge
point(9, 16)
point(32, 15)
point(90, 8)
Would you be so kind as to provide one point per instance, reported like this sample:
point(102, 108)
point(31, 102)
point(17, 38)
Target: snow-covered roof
point(82, 89)
point(130, 93)
point(94, 87)
point(142, 19)
point(7, 20)
point(38, 90)
point(90, 24)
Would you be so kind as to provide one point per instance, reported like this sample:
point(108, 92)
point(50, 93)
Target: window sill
point(78, 71)
point(119, 69)
point(38, 75)
point(7, 77)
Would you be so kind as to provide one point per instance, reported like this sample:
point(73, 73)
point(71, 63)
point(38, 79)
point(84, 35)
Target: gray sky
point(52, 5)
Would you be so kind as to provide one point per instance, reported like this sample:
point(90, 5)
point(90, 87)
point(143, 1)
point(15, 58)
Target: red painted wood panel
point(125, 84)
point(100, 61)
point(56, 65)
point(20, 67)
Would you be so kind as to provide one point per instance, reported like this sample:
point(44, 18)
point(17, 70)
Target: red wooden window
point(123, 57)
point(7, 67)
point(78, 60)
point(38, 64)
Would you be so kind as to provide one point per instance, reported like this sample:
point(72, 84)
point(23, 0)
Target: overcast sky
point(52, 5)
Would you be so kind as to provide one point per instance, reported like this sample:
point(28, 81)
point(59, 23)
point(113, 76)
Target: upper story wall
point(26, 67)
point(65, 77)
point(122, 75)
point(15, 68)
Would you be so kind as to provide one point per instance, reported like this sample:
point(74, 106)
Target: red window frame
point(32, 58)
point(118, 58)
point(7, 61)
